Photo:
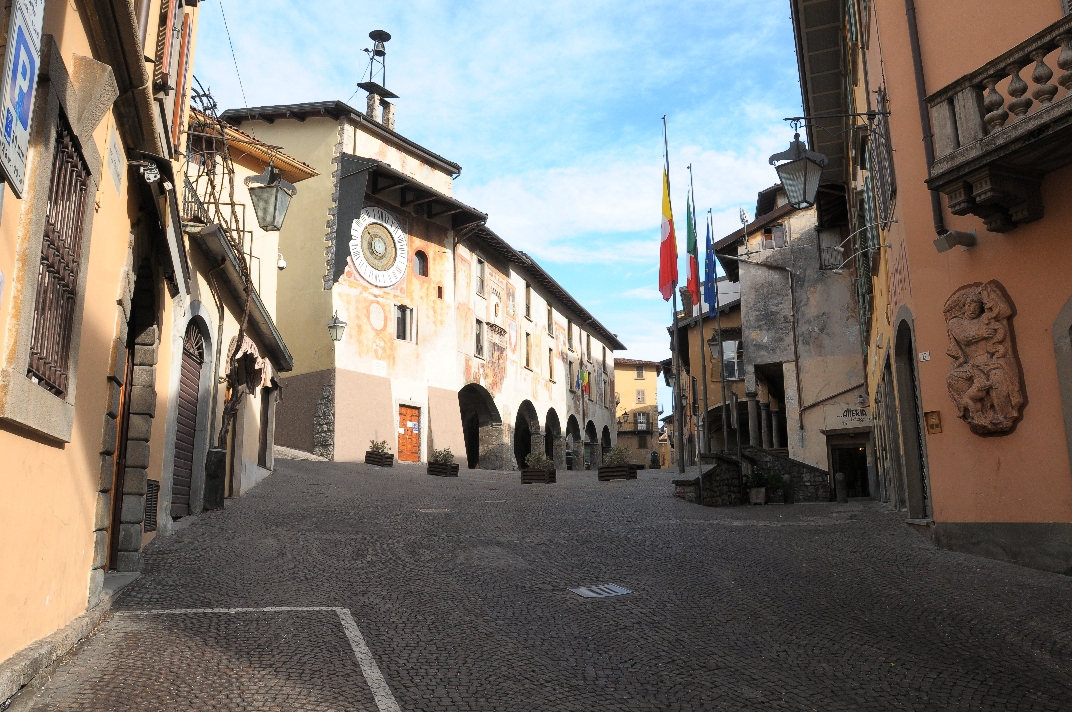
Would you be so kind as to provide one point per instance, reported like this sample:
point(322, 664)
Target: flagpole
point(722, 351)
point(679, 422)
point(704, 444)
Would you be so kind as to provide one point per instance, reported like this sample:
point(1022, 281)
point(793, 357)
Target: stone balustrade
point(996, 135)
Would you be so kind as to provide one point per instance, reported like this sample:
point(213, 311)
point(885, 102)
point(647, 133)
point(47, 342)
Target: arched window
point(420, 263)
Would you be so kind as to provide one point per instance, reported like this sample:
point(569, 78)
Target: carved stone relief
point(985, 382)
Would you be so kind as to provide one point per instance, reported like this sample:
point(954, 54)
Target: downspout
point(924, 113)
point(213, 290)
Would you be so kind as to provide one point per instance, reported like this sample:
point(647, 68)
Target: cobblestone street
point(458, 588)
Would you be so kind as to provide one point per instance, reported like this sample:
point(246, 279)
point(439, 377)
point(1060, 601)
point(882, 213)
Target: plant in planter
point(441, 463)
point(618, 465)
point(539, 469)
point(377, 454)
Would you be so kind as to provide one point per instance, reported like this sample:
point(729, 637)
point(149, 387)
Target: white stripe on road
point(381, 692)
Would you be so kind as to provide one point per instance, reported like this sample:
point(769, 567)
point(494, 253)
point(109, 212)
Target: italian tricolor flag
point(668, 245)
point(694, 255)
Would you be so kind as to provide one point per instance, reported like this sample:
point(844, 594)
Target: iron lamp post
point(799, 173)
point(271, 197)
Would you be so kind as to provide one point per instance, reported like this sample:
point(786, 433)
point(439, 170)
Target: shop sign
point(842, 417)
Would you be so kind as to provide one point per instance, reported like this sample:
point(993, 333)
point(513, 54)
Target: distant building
point(637, 398)
point(453, 338)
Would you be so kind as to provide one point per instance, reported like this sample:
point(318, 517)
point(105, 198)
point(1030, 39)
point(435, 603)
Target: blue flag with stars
point(710, 289)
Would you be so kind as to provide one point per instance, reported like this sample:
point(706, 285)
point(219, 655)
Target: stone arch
point(481, 427)
point(592, 451)
point(554, 443)
point(573, 442)
point(527, 436)
point(910, 417)
point(604, 438)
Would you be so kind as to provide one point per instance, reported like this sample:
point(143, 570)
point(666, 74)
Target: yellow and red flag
point(668, 245)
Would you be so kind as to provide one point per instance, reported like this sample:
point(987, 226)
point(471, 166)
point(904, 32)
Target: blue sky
point(554, 111)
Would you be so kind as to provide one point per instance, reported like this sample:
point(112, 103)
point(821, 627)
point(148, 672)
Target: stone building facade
point(453, 338)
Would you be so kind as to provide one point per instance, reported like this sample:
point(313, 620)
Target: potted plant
point(618, 465)
point(377, 454)
point(539, 469)
point(441, 463)
point(757, 487)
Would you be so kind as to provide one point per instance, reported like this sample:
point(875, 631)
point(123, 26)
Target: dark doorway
point(573, 441)
point(522, 440)
point(852, 460)
point(908, 415)
point(479, 415)
point(552, 431)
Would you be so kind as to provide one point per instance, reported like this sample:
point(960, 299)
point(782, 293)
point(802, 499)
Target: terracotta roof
point(292, 170)
point(638, 362)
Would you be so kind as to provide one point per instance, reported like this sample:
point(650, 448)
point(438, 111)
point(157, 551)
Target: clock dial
point(379, 247)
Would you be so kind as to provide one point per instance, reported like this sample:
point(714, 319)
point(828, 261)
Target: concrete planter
point(617, 472)
point(531, 476)
point(379, 459)
point(757, 495)
point(443, 469)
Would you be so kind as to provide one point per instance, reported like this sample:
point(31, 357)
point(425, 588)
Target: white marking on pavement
point(381, 692)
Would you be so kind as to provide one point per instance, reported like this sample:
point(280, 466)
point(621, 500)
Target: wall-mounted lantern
point(800, 172)
point(335, 327)
point(271, 197)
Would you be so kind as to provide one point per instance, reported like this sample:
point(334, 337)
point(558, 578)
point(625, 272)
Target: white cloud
point(642, 293)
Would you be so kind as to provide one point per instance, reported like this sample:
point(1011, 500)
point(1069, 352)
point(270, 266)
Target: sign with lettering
point(22, 55)
point(842, 417)
point(117, 162)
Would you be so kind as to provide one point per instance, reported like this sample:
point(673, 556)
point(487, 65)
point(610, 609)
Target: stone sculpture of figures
point(985, 379)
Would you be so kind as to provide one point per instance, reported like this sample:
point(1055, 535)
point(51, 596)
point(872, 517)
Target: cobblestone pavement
point(459, 587)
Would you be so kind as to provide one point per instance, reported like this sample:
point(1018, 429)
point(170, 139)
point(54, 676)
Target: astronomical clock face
point(379, 247)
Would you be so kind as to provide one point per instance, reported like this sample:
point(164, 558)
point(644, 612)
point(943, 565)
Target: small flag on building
point(710, 276)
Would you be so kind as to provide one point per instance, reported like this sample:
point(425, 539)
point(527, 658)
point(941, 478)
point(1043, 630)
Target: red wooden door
point(409, 437)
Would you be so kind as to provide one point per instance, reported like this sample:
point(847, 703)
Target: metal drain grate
point(603, 590)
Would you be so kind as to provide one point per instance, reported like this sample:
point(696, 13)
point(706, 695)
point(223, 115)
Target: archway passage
point(573, 441)
point(604, 438)
point(591, 441)
point(526, 430)
point(193, 359)
point(481, 426)
point(552, 431)
point(908, 412)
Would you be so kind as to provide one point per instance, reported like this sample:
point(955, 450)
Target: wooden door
point(193, 357)
point(409, 435)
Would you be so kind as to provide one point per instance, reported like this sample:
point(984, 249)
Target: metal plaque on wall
point(22, 55)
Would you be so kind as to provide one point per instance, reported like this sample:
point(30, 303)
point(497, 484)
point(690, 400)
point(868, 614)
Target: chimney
point(373, 110)
point(388, 114)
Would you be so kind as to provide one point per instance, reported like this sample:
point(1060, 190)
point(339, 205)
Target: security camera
point(281, 263)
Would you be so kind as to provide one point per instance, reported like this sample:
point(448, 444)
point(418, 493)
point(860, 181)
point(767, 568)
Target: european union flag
point(710, 288)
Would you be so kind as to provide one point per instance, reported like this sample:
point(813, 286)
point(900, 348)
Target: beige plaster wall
point(365, 410)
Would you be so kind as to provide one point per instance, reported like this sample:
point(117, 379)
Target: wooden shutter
point(162, 68)
point(193, 357)
point(57, 281)
point(180, 81)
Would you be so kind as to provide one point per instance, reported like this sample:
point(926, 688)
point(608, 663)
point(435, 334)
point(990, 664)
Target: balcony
point(996, 136)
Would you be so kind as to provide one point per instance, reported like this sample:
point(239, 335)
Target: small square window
point(405, 323)
point(640, 373)
point(481, 276)
point(641, 396)
point(479, 346)
point(528, 351)
point(551, 364)
point(528, 301)
point(550, 321)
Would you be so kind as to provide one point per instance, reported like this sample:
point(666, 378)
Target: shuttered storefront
point(193, 357)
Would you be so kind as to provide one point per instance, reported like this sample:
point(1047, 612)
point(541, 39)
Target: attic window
point(774, 237)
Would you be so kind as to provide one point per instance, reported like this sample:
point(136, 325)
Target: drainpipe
point(924, 113)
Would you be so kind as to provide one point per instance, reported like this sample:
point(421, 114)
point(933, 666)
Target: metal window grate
point(57, 281)
point(152, 496)
point(603, 590)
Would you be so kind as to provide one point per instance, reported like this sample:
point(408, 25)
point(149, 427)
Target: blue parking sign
point(18, 83)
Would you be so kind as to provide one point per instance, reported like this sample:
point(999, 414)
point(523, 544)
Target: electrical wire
point(233, 57)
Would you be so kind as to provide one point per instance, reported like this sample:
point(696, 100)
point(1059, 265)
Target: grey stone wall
point(722, 483)
point(324, 423)
point(810, 484)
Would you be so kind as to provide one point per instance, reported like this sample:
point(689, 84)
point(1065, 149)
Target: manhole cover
point(601, 591)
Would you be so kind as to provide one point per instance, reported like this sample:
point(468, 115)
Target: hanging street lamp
point(271, 197)
point(335, 327)
point(800, 172)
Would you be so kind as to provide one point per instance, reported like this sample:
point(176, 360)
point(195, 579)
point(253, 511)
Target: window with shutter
point(180, 80)
point(57, 281)
point(170, 11)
